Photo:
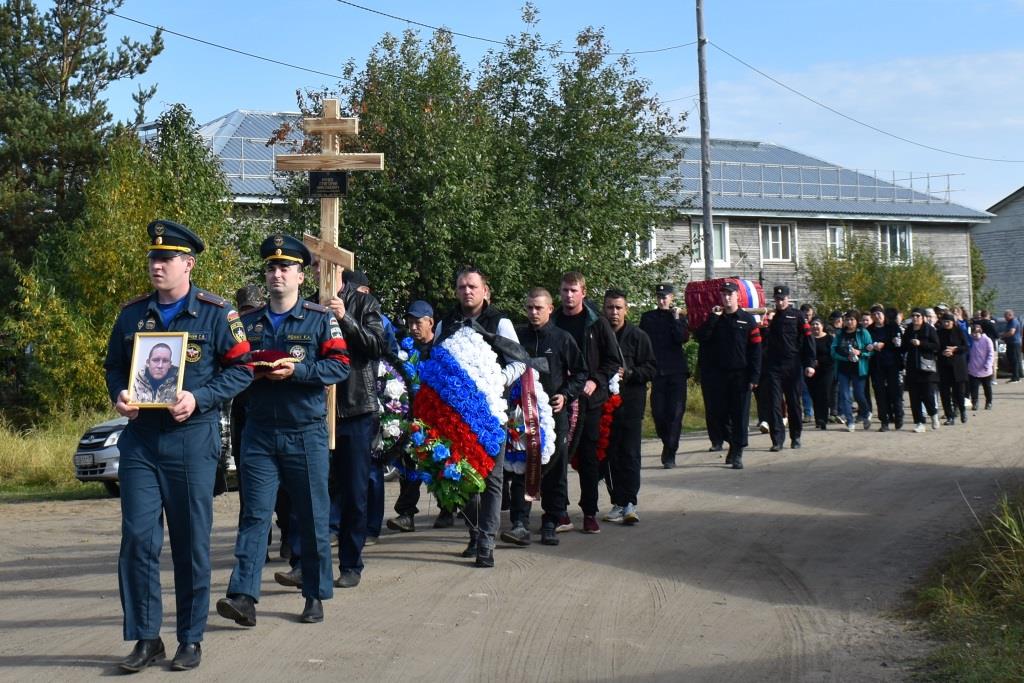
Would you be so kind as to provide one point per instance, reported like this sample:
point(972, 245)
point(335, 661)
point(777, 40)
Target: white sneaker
point(614, 515)
point(935, 421)
point(851, 427)
point(764, 427)
point(629, 514)
point(919, 428)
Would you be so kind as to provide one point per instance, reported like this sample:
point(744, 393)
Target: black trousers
point(783, 382)
point(623, 461)
point(727, 405)
point(986, 384)
point(888, 394)
point(668, 405)
point(952, 394)
point(921, 393)
point(408, 496)
point(586, 455)
point(554, 482)
point(715, 433)
point(820, 387)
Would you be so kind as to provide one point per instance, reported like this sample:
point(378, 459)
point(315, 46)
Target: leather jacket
point(364, 334)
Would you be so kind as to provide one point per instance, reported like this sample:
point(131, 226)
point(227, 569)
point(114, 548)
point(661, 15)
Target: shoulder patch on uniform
point(141, 297)
point(314, 307)
point(213, 299)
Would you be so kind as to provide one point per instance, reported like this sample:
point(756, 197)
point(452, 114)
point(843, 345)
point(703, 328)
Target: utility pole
point(705, 148)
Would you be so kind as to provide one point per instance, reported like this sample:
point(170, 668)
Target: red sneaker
point(590, 525)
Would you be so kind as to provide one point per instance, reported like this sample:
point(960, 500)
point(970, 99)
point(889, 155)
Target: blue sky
point(943, 73)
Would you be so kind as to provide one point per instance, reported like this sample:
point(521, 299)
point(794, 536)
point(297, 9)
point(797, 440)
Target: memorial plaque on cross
point(332, 258)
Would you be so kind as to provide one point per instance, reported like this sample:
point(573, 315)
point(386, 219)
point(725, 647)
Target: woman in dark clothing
point(920, 344)
point(952, 362)
point(820, 385)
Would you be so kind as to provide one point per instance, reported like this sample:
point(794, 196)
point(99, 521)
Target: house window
point(719, 246)
point(645, 248)
point(776, 242)
point(894, 241)
point(835, 238)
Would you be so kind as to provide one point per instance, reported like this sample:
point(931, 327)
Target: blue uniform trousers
point(352, 478)
point(166, 472)
point(298, 459)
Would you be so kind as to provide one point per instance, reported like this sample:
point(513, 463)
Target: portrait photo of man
point(156, 379)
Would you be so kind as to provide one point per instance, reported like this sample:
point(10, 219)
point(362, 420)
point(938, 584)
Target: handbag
point(926, 364)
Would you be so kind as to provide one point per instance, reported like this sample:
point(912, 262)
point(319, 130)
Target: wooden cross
point(333, 259)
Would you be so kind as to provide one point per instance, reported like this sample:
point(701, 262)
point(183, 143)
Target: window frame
point(791, 229)
point(833, 248)
point(885, 245)
point(697, 242)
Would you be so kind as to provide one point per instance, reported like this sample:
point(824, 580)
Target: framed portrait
point(157, 369)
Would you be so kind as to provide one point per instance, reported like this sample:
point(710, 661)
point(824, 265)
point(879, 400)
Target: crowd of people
point(274, 359)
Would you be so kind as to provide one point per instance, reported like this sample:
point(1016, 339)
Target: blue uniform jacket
point(214, 355)
point(310, 333)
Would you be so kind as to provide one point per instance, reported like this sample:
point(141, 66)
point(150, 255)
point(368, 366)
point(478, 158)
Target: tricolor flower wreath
point(460, 413)
point(604, 431)
point(515, 455)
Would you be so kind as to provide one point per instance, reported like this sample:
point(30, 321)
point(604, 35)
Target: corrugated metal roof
point(753, 176)
point(747, 176)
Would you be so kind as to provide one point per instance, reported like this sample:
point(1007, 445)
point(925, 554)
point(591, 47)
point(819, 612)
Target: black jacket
point(639, 368)
point(668, 334)
point(891, 355)
point(565, 371)
point(364, 335)
point(600, 352)
point(912, 354)
point(733, 343)
point(788, 340)
point(952, 368)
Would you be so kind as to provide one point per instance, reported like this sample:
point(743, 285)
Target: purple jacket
point(981, 357)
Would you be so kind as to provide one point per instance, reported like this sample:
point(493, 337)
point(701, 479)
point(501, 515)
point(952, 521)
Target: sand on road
point(789, 570)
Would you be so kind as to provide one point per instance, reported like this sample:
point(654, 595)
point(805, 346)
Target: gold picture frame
point(150, 353)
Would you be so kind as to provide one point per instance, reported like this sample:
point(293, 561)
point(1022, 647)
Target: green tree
point(984, 297)
point(81, 275)
point(859, 278)
point(54, 68)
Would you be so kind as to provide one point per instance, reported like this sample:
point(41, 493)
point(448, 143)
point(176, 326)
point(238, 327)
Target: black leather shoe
point(187, 657)
point(668, 464)
point(548, 535)
point(444, 520)
point(240, 608)
point(313, 612)
point(484, 558)
point(715, 447)
point(737, 460)
point(775, 448)
point(963, 416)
point(145, 653)
point(402, 523)
point(795, 443)
point(348, 579)
point(729, 457)
point(291, 578)
point(470, 550)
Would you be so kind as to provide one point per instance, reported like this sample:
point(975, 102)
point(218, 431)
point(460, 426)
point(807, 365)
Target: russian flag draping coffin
point(702, 296)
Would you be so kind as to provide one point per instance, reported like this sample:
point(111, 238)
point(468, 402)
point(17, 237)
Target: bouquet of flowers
point(515, 454)
point(604, 430)
point(394, 397)
point(447, 474)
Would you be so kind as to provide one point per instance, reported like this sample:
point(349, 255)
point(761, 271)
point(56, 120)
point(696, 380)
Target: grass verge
point(37, 463)
point(973, 602)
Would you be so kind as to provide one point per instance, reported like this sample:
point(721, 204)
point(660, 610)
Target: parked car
point(97, 457)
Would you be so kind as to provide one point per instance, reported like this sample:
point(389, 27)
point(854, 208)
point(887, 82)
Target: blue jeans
point(855, 382)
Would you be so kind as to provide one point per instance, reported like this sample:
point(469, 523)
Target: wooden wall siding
point(1002, 246)
point(946, 242)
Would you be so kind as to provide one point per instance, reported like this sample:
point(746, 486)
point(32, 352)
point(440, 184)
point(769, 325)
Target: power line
point(502, 42)
point(858, 121)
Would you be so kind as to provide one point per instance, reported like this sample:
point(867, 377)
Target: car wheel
point(390, 472)
point(112, 488)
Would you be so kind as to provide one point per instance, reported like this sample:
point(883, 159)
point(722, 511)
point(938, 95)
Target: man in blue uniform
point(169, 455)
point(285, 438)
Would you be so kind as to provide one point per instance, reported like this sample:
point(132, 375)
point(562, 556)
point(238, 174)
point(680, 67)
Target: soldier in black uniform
point(789, 354)
point(733, 354)
point(169, 455)
point(668, 331)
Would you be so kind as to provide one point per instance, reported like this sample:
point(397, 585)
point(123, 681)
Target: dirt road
point(785, 571)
